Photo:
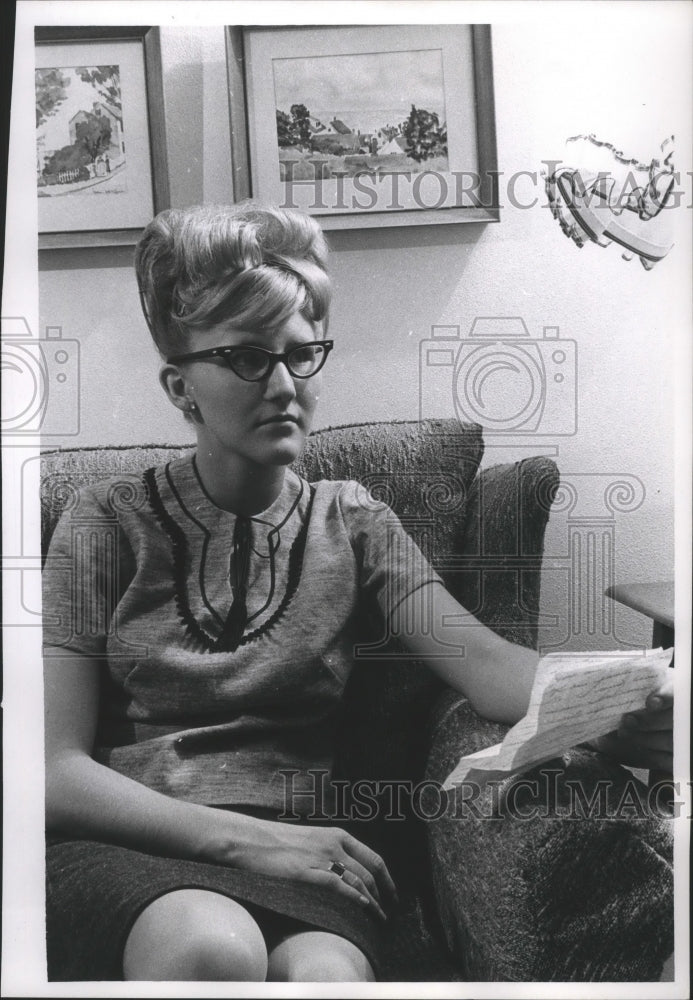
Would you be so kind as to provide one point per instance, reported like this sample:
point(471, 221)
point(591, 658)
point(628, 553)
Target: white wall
point(392, 285)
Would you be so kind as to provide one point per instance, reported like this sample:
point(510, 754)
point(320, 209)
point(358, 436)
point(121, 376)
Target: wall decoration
point(598, 194)
point(365, 126)
point(100, 138)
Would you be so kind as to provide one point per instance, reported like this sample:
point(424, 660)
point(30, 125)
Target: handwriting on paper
point(575, 697)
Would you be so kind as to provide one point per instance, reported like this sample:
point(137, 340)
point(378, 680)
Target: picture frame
point(101, 163)
point(427, 156)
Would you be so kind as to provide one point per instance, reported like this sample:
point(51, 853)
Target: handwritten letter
point(576, 697)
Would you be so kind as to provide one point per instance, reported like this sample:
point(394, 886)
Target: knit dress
point(226, 645)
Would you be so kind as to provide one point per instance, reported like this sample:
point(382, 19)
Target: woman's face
point(262, 423)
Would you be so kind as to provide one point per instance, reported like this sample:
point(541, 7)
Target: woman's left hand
point(645, 738)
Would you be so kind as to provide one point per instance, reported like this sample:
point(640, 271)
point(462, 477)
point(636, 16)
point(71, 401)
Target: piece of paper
point(575, 697)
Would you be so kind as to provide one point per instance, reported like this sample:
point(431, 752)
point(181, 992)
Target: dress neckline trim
point(180, 553)
point(184, 479)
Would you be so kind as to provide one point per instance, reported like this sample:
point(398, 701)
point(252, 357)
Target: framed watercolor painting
point(100, 138)
point(384, 125)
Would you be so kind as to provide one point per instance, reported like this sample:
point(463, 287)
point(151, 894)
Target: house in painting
point(339, 128)
point(341, 139)
point(397, 144)
point(100, 109)
point(316, 126)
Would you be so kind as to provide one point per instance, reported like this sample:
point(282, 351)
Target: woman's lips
point(280, 418)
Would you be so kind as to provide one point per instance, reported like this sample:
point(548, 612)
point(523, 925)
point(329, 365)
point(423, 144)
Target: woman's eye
point(246, 361)
point(303, 354)
point(306, 358)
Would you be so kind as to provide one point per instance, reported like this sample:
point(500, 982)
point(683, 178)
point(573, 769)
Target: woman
point(206, 651)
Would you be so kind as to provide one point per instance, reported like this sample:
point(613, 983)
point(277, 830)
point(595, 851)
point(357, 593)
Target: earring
point(192, 406)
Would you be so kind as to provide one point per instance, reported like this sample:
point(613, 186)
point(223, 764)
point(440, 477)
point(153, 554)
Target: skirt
point(95, 892)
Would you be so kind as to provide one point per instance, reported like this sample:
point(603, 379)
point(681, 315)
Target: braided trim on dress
point(179, 552)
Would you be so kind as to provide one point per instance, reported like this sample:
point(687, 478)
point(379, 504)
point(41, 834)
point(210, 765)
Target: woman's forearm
point(496, 675)
point(89, 800)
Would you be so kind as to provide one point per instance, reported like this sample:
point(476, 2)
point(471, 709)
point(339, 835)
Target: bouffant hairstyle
point(245, 264)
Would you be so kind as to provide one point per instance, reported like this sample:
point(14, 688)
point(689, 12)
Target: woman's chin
point(283, 452)
point(286, 444)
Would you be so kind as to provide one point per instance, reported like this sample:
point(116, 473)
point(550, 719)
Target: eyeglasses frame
point(274, 358)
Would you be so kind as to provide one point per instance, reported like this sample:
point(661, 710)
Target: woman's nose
point(280, 382)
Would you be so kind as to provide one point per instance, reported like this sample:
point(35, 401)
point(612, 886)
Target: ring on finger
point(338, 868)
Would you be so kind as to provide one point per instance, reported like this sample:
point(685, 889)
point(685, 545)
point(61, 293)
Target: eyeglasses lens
point(252, 365)
point(306, 360)
point(247, 363)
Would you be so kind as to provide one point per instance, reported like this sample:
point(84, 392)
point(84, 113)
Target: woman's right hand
point(306, 854)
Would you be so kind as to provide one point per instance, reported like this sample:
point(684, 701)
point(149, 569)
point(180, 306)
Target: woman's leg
point(318, 957)
point(195, 934)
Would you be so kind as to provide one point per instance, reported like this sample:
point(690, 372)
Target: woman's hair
point(245, 264)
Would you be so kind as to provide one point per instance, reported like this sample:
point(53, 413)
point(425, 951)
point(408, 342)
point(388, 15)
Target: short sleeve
point(82, 578)
point(391, 565)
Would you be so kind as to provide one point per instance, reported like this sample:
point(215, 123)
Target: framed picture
point(101, 171)
point(385, 125)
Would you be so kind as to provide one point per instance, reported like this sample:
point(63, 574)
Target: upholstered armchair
point(486, 894)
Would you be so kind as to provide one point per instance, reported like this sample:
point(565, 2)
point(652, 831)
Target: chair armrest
point(530, 885)
point(496, 571)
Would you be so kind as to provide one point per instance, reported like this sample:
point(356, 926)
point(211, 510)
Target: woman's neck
point(237, 485)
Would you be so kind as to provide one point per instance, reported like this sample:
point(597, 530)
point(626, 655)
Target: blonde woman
point(218, 641)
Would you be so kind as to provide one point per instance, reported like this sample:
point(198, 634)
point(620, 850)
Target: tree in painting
point(104, 79)
point(51, 91)
point(301, 117)
point(94, 136)
point(294, 129)
point(424, 135)
point(285, 129)
point(70, 158)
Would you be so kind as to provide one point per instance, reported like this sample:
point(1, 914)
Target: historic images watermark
point(368, 189)
point(541, 795)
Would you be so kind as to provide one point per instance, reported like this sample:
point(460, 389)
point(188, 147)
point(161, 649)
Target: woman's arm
point(87, 799)
point(496, 675)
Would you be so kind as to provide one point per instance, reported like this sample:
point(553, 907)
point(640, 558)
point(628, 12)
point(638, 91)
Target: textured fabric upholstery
point(480, 899)
point(411, 466)
point(63, 473)
point(554, 896)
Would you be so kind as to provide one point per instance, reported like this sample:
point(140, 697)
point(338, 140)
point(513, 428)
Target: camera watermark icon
point(500, 377)
point(40, 382)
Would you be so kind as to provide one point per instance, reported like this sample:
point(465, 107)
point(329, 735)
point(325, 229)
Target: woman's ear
point(177, 388)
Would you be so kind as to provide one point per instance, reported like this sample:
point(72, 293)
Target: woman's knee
point(194, 934)
point(318, 957)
